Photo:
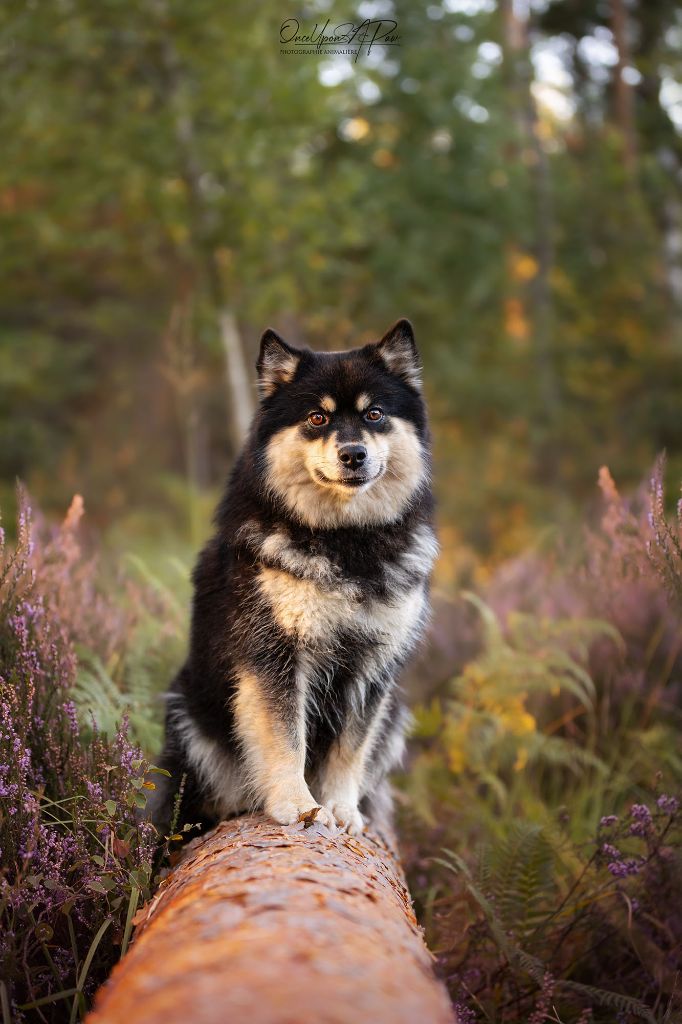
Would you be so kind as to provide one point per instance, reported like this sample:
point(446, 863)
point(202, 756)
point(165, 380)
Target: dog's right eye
point(318, 419)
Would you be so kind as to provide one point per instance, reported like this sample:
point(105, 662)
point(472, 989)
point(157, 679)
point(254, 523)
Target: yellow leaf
point(521, 760)
point(524, 266)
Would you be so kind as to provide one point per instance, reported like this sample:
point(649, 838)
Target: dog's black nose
point(352, 455)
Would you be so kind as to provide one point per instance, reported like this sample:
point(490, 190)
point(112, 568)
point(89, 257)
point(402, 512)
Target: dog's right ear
point(277, 362)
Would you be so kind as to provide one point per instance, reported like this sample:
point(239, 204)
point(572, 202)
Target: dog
point(310, 597)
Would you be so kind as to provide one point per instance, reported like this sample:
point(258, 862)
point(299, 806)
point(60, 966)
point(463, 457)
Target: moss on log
point(261, 924)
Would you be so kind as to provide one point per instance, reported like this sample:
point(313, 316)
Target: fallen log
point(262, 924)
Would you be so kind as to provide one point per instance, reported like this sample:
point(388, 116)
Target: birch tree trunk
point(261, 924)
point(238, 382)
point(202, 230)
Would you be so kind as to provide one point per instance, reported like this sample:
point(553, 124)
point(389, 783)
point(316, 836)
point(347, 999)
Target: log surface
point(262, 924)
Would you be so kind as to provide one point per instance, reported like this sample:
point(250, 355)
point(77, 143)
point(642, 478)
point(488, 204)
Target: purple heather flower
point(71, 714)
point(668, 804)
point(641, 813)
point(608, 820)
point(611, 851)
point(94, 791)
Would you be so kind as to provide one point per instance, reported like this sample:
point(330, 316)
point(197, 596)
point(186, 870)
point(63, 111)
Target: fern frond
point(614, 1000)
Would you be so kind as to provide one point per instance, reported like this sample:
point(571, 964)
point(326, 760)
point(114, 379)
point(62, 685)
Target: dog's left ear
point(277, 362)
point(399, 352)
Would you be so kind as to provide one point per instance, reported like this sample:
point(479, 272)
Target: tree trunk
point(238, 382)
point(261, 924)
point(624, 94)
point(519, 79)
point(202, 230)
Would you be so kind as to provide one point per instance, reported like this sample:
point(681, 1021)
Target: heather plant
point(547, 774)
point(665, 545)
point(543, 847)
point(623, 572)
point(76, 855)
point(127, 626)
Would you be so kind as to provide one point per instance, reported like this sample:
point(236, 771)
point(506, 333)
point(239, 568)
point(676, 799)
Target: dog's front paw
point(347, 817)
point(290, 812)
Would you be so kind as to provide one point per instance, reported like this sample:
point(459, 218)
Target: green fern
point(523, 880)
point(612, 1000)
point(131, 683)
point(98, 697)
point(515, 892)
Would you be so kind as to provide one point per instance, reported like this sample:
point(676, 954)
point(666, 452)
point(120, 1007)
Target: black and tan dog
point(311, 595)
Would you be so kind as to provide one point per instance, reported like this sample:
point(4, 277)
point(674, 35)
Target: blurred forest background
point(509, 178)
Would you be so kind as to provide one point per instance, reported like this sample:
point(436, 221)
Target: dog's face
point(342, 436)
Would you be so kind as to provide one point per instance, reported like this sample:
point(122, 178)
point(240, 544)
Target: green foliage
point(163, 162)
point(538, 772)
point(540, 901)
point(134, 678)
point(483, 727)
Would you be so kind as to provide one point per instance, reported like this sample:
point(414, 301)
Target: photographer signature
point(369, 33)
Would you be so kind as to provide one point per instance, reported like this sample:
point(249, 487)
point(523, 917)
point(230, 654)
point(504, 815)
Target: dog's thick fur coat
point(310, 596)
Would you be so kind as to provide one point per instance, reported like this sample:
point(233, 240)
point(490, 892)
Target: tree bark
point(262, 924)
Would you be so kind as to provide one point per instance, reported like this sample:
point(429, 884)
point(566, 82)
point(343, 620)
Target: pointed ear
point(399, 352)
point(277, 362)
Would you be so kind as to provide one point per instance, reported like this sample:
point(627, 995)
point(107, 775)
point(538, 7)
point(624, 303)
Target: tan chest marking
point(303, 610)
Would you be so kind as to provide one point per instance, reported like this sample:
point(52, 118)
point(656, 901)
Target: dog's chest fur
point(313, 616)
point(363, 589)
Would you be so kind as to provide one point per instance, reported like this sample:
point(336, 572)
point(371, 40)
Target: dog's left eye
point(374, 414)
point(318, 419)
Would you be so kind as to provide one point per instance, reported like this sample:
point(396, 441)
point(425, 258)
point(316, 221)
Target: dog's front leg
point(346, 766)
point(271, 730)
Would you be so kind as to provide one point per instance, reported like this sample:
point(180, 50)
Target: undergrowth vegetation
point(539, 812)
point(75, 705)
point(548, 773)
